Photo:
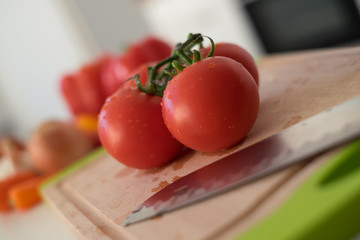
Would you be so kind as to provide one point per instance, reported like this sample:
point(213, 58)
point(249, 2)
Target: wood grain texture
point(96, 199)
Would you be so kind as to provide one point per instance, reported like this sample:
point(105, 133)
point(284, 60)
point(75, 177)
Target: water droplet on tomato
point(169, 96)
point(231, 127)
point(111, 99)
point(211, 65)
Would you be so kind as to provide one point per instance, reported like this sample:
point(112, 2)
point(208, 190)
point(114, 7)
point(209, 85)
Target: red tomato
point(120, 67)
point(237, 53)
point(132, 130)
point(211, 105)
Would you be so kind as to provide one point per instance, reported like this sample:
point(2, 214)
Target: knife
point(307, 138)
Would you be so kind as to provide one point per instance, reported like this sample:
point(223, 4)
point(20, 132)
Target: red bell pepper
point(119, 68)
point(82, 90)
point(86, 90)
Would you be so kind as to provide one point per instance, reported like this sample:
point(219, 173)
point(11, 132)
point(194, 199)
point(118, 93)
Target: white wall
point(41, 40)
point(223, 20)
point(38, 43)
point(113, 23)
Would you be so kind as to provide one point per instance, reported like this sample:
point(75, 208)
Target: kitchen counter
point(36, 224)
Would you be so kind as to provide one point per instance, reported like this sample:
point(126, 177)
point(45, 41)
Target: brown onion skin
point(55, 144)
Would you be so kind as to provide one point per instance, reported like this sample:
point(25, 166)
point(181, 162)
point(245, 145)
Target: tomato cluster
point(205, 99)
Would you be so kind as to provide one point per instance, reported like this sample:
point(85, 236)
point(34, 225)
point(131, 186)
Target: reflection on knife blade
point(299, 142)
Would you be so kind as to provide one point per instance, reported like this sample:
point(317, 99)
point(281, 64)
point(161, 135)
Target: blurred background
point(41, 40)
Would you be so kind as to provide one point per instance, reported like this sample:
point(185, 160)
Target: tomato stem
point(181, 57)
point(177, 66)
point(212, 50)
point(197, 56)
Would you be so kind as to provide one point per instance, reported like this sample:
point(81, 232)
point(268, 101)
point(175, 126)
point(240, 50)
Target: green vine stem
point(182, 56)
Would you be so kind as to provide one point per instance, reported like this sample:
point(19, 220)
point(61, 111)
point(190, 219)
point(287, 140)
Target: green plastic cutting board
point(325, 207)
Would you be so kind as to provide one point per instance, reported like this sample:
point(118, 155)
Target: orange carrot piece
point(7, 183)
point(26, 194)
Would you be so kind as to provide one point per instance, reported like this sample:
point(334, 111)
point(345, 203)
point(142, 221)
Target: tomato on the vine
point(206, 104)
point(211, 105)
point(237, 53)
point(132, 130)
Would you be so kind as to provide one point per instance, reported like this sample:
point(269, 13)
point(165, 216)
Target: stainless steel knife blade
point(307, 138)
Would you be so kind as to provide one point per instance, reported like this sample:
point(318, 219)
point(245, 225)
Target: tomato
point(237, 53)
point(119, 68)
point(132, 130)
point(211, 105)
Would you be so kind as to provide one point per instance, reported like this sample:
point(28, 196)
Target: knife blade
point(307, 138)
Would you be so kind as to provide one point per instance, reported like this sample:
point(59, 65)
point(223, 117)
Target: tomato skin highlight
point(211, 104)
point(132, 130)
point(238, 54)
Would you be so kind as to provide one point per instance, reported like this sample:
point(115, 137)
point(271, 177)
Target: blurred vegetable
point(13, 157)
point(11, 148)
point(7, 183)
point(54, 145)
point(87, 124)
point(85, 90)
point(26, 193)
point(119, 68)
point(82, 90)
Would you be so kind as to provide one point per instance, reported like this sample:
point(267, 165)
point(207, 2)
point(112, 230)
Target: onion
point(55, 144)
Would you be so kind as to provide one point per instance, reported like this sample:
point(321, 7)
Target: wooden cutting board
point(95, 195)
